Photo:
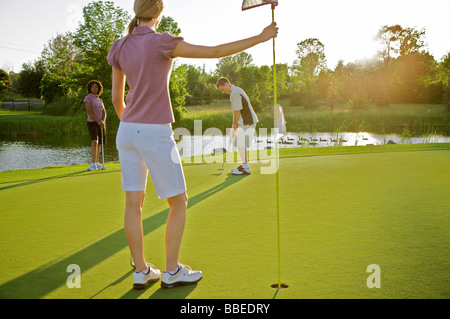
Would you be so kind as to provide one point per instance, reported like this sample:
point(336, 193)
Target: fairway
point(339, 213)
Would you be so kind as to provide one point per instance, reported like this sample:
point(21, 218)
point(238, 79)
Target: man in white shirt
point(244, 121)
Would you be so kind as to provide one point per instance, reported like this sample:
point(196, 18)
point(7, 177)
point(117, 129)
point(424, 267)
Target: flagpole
point(276, 159)
point(274, 65)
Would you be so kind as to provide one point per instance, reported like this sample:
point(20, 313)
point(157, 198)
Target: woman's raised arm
point(186, 50)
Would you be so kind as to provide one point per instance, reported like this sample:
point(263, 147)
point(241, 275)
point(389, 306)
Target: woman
point(145, 139)
point(95, 121)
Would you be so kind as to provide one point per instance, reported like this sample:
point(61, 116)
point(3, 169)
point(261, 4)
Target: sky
point(346, 28)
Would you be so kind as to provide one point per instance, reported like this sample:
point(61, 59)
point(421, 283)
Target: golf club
point(103, 153)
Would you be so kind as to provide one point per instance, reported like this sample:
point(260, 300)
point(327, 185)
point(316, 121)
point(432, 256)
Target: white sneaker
point(233, 170)
point(241, 170)
point(93, 167)
point(184, 276)
point(143, 279)
point(100, 166)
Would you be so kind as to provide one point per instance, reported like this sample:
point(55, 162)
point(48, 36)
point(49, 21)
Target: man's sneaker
point(144, 278)
point(93, 167)
point(183, 276)
point(100, 166)
point(236, 169)
point(241, 170)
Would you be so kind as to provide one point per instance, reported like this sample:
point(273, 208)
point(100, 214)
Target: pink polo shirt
point(146, 62)
point(96, 105)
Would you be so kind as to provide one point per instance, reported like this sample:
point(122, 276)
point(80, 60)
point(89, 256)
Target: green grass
point(22, 114)
point(23, 123)
point(341, 209)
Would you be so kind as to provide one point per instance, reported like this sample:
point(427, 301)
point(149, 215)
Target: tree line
point(403, 71)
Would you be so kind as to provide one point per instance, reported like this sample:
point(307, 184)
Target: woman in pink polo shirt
point(95, 120)
point(145, 139)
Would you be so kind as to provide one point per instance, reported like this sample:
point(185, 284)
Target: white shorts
point(245, 135)
point(150, 148)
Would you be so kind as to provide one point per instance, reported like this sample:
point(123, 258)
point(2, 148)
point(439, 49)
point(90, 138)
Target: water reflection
point(49, 151)
point(60, 151)
point(197, 145)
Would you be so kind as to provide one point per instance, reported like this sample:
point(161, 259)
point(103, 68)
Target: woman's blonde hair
point(145, 10)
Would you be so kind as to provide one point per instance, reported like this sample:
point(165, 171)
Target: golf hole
point(282, 286)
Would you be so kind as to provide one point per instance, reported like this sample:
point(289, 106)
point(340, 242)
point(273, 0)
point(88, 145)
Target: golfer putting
point(145, 138)
point(230, 145)
point(244, 122)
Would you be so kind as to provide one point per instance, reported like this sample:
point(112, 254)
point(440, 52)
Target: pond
point(52, 151)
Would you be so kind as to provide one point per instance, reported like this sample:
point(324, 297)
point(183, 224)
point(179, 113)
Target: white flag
point(279, 121)
point(249, 4)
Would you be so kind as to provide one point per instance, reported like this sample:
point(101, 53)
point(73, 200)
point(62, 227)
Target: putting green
point(340, 212)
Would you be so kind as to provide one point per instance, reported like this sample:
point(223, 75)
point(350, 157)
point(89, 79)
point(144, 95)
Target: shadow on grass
point(162, 293)
point(47, 278)
point(40, 180)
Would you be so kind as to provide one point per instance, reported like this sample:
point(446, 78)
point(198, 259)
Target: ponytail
point(146, 9)
point(133, 24)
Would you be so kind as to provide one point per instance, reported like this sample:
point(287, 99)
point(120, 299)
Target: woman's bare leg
point(94, 151)
point(175, 229)
point(134, 229)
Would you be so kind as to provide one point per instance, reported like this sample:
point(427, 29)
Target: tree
point(60, 55)
point(411, 41)
point(30, 78)
point(230, 67)
point(62, 59)
point(194, 83)
point(5, 81)
point(444, 67)
point(444, 79)
point(389, 36)
point(177, 91)
point(283, 79)
point(410, 78)
point(168, 24)
point(51, 87)
point(400, 41)
point(103, 24)
point(243, 59)
point(337, 83)
point(310, 62)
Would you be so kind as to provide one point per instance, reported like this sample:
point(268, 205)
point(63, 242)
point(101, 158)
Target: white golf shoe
point(182, 277)
point(93, 167)
point(144, 278)
point(241, 170)
point(100, 166)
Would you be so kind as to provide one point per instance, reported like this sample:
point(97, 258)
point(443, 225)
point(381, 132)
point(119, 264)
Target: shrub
point(447, 98)
point(358, 101)
point(51, 87)
point(61, 105)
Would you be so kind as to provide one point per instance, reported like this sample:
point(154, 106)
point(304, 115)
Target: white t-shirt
point(240, 102)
